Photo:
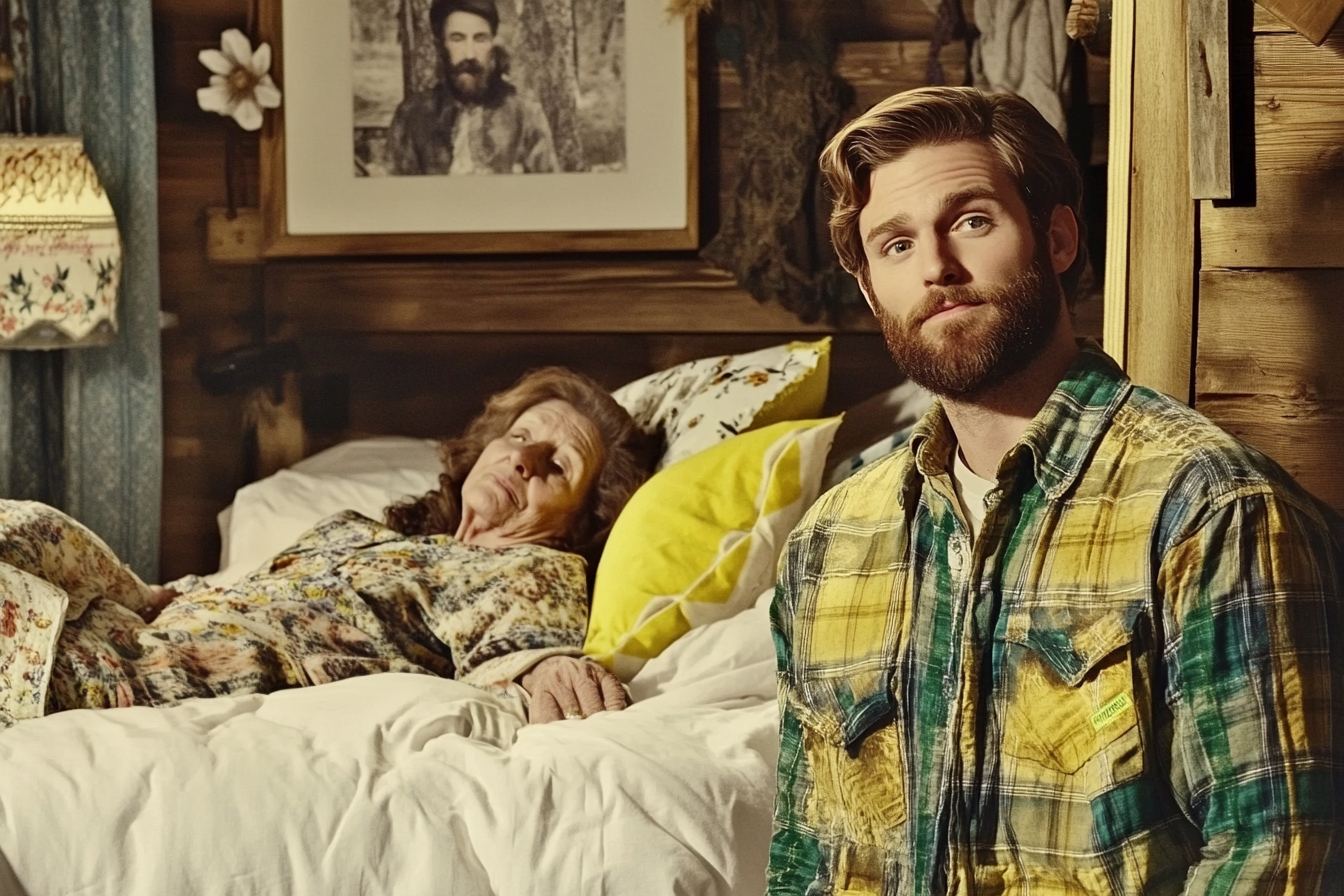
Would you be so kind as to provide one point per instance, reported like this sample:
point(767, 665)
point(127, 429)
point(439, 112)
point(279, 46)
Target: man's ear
point(1063, 237)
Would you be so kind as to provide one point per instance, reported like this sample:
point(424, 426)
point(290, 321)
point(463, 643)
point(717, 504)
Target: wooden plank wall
point(213, 307)
point(426, 383)
point(1269, 366)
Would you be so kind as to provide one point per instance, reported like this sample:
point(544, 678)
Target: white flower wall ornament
point(240, 83)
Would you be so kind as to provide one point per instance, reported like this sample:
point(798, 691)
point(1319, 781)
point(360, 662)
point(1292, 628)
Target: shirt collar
point(1059, 439)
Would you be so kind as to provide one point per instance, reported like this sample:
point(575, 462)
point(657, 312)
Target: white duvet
point(407, 784)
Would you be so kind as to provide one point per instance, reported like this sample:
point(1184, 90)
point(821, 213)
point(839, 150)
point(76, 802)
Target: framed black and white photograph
point(427, 126)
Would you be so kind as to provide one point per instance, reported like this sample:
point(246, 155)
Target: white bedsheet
point(407, 784)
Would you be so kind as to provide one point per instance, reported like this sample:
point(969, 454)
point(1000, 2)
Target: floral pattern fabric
point(700, 403)
point(351, 597)
point(30, 619)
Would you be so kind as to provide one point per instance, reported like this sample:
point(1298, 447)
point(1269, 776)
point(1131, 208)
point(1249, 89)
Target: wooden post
point(277, 426)
point(1208, 103)
point(1115, 303)
point(1153, 218)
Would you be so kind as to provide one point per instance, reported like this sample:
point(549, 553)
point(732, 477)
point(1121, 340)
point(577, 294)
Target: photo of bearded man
point(472, 87)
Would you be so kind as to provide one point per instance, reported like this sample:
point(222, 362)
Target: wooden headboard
point(421, 358)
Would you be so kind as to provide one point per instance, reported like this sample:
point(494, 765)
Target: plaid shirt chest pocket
point(856, 803)
point(1073, 703)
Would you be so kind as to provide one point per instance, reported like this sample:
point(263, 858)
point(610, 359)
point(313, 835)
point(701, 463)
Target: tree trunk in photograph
point(547, 63)
point(420, 60)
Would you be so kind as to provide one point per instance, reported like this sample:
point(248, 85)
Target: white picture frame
point(315, 202)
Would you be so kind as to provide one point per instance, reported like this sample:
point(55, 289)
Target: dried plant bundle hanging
point(1089, 21)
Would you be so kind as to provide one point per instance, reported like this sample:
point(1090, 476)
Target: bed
point(406, 784)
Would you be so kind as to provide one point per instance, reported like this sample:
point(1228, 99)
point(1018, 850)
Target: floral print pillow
point(702, 402)
point(31, 612)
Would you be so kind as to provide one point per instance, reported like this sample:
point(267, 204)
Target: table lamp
point(60, 252)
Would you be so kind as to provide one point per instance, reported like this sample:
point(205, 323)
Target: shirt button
point(958, 558)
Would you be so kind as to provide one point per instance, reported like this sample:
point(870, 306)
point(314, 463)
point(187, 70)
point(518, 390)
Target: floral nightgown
point(351, 597)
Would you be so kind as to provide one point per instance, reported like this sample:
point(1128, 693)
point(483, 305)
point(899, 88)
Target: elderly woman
point(483, 579)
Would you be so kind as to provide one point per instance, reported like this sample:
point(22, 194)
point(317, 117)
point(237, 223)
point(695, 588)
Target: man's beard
point(970, 355)
point(469, 80)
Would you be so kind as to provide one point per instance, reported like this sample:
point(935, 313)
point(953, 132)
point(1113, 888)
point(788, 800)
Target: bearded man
point(1074, 638)
point(473, 121)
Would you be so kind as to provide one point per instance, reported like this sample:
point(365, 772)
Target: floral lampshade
point(60, 252)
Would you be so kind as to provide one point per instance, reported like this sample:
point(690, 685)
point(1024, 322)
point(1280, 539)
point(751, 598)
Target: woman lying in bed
point(482, 580)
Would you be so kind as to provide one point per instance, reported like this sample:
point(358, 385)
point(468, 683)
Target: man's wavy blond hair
point(1030, 150)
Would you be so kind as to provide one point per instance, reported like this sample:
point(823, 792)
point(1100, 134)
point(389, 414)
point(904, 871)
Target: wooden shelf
point(875, 69)
point(524, 296)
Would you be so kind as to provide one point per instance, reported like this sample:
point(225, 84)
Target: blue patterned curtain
point(83, 429)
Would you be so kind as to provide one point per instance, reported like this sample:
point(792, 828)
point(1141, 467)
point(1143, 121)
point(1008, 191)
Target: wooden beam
point(277, 427)
point(523, 296)
point(1162, 225)
point(1313, 19)
point(1208, 99)
point(1265, 22)
point(1115, 303)
point(869, 19)
point(875, 69)
point(1295, 220)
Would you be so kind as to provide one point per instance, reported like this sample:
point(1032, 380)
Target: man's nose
point(941, 265)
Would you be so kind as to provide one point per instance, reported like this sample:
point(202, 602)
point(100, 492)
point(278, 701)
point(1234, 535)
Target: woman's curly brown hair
point(626, 465)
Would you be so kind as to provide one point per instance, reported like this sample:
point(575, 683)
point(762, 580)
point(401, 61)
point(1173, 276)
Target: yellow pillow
point(702, 402)
point(699, 541)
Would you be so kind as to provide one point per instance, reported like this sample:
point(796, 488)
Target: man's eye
point(898, 247)
point(977, 222)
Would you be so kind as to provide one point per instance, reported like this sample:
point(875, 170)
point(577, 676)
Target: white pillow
point(364, 475)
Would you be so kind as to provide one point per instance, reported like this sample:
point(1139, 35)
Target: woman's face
point(529, 484)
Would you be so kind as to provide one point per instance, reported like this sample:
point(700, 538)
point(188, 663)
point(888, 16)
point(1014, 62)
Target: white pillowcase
point(364, 475)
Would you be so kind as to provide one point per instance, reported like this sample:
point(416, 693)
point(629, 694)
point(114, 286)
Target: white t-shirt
point(971, 490)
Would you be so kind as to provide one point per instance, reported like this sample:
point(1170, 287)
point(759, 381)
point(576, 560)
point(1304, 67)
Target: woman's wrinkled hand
point(566, 687)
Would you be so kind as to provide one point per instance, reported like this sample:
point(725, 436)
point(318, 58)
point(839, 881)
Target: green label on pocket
point(1111, 711)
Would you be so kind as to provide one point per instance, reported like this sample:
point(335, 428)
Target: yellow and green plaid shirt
point(1132, 682)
